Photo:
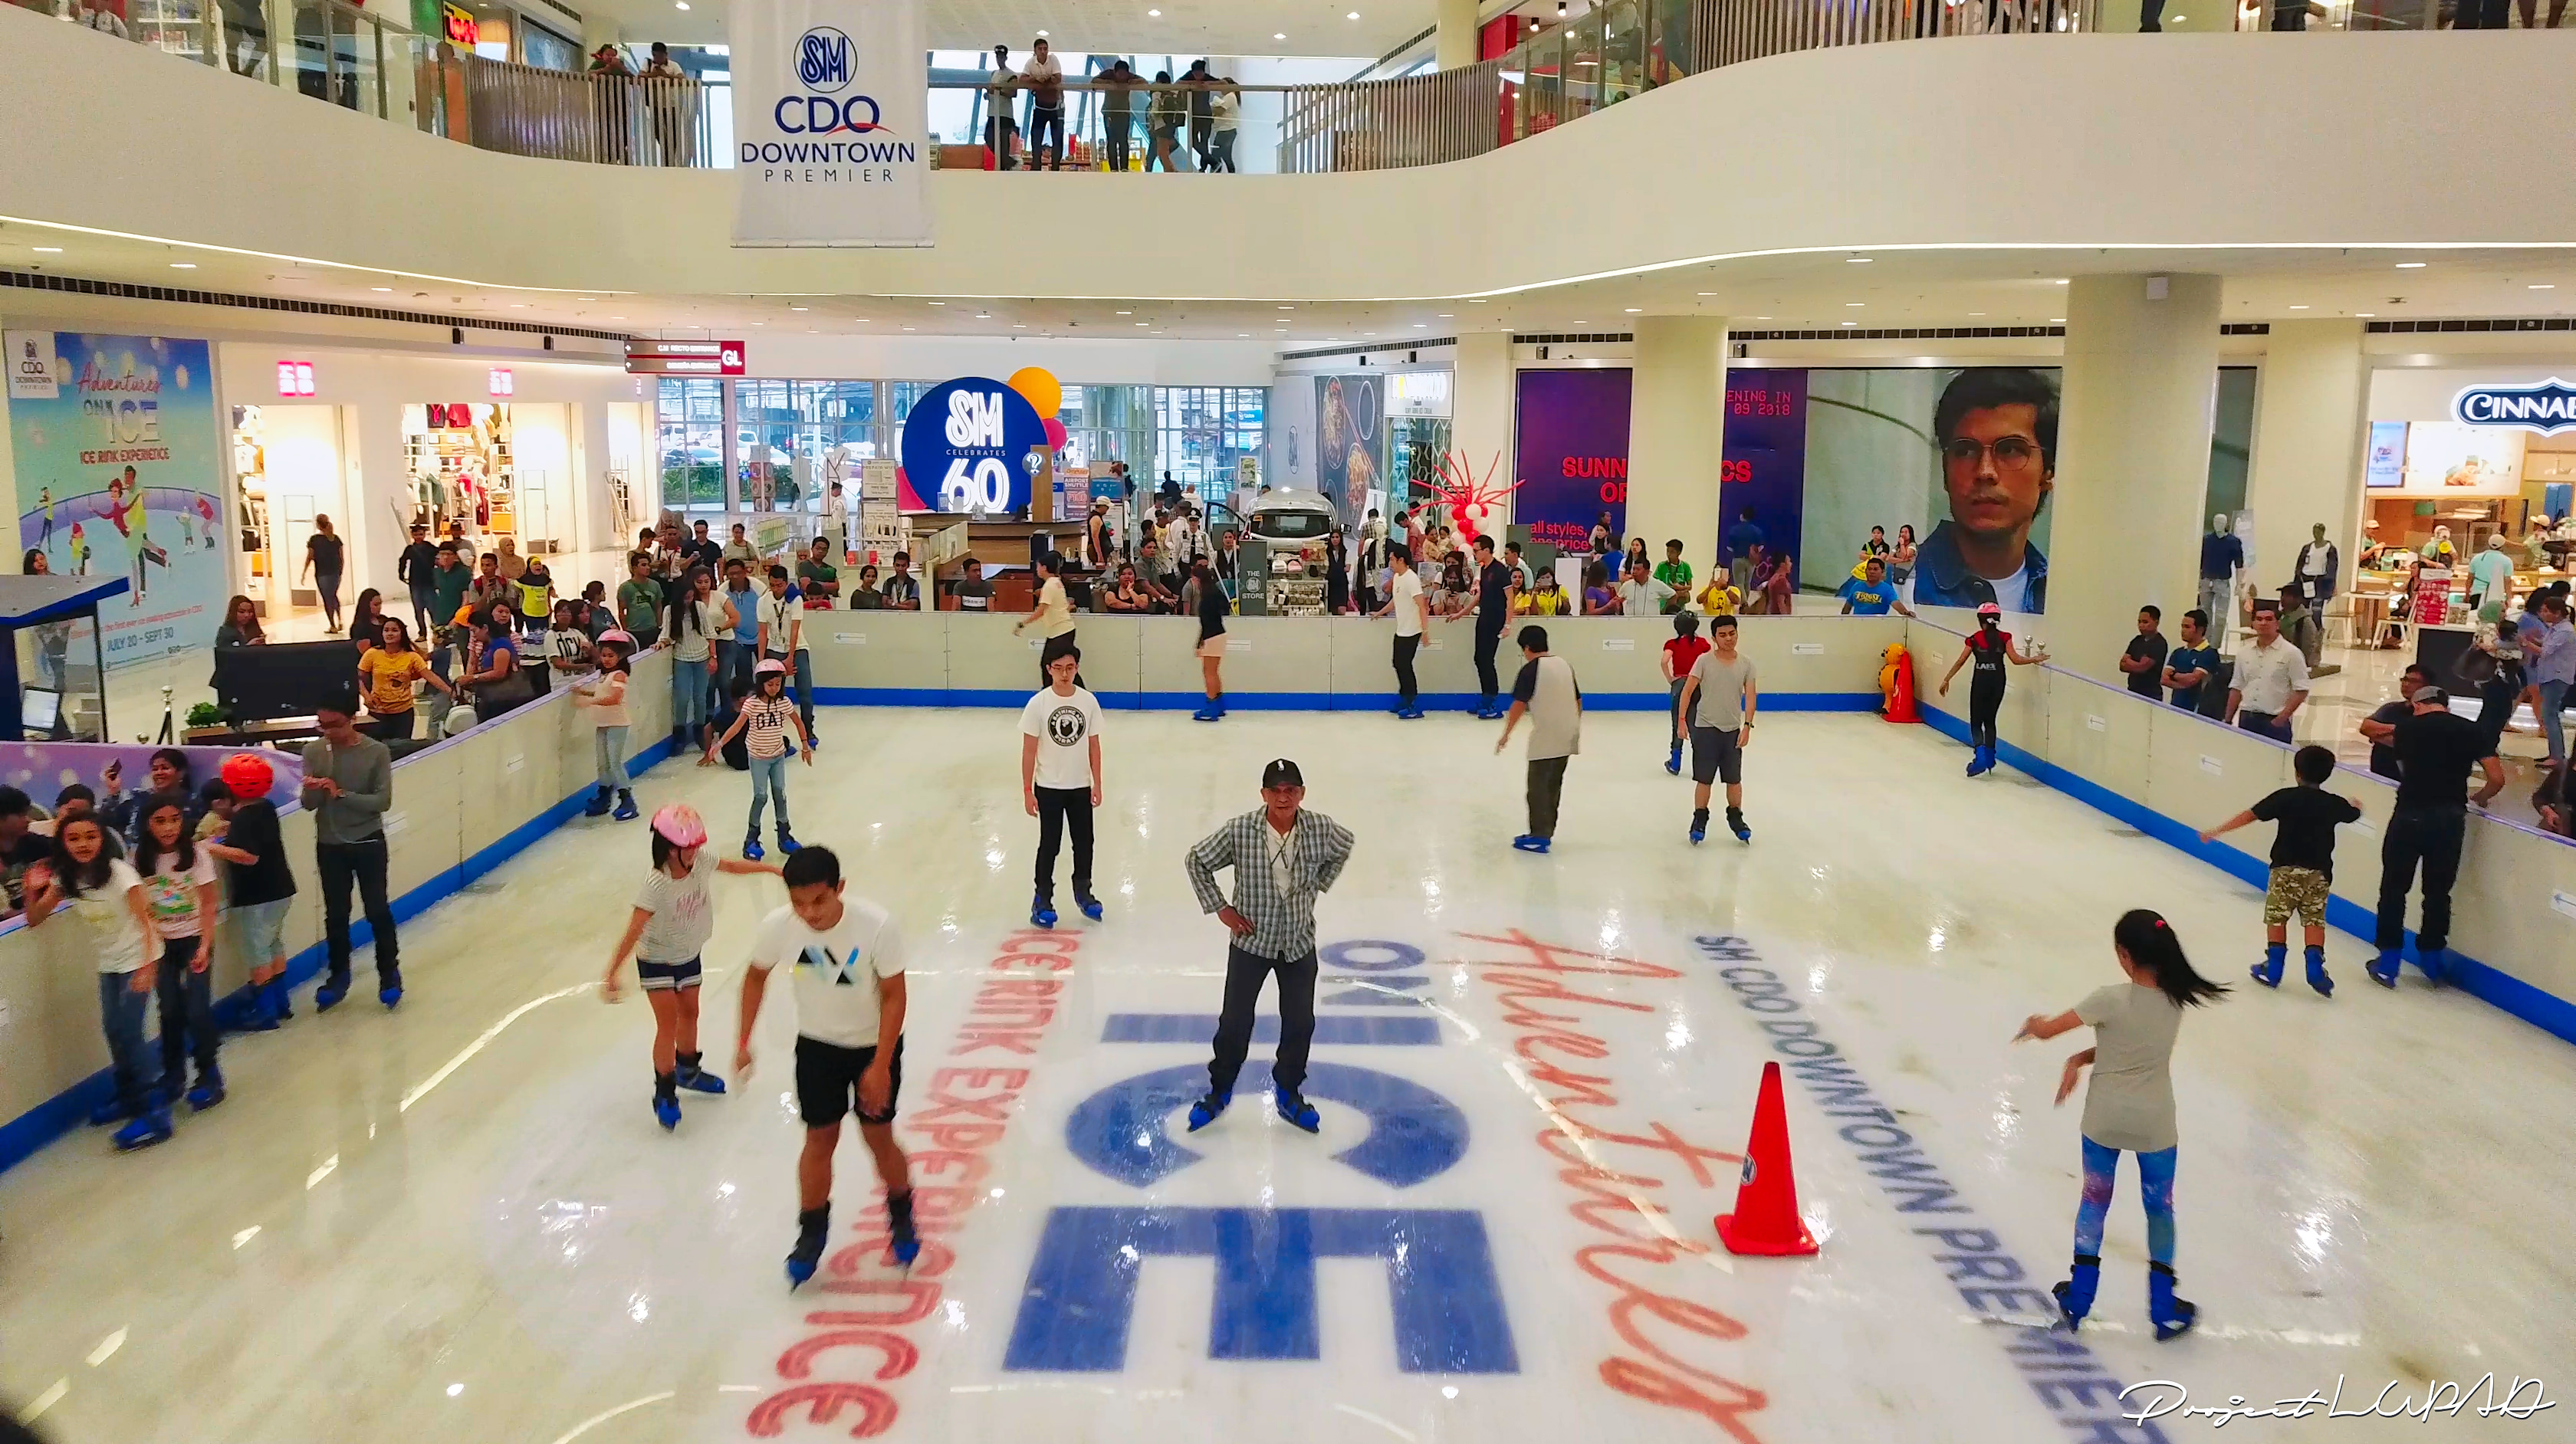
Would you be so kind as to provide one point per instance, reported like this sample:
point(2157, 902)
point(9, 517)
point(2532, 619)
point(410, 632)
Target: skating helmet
point(680, 825)
point(769, 665)
point(248, 775)
point(1988, 609)
point(458, 720)
point(619, 637)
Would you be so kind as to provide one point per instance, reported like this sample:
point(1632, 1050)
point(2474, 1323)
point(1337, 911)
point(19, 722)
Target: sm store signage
point(971, 444)
point(2548, 407)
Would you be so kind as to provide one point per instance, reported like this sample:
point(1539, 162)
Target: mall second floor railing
point(365, 61)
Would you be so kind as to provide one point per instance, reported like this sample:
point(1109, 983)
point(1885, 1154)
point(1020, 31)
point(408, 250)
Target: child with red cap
point(259, 883)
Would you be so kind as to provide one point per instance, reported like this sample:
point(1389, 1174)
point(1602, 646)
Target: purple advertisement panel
point(1765, 464)
point(1571, 451)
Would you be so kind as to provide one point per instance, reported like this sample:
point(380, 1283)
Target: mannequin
point(2317, 567)
point(2220, 555)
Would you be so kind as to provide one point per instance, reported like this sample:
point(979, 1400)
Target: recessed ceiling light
point(183, 265)
point(1019, 325)
point(50, 250)
point(2410, 265)
point(2365, 314)
point(1855, 303)
point(617, 318)
point(2544, 286)
point(682, 4)
point(1636, 310)
point(939, 303)
point(1421, 325)
point(1354, 15)
point(1042, 35)
point(2298, 308)
point(1144, 323)
point(1282, 36)
point(1851, 323)
point(1243, 335)
point(380, 288)
point(1448, 315)
point(1708, 293)
point(800, 308)
point(911, 328)
point(522, 305)
point(1156, 14)
point(2057, 320)
point(1126, 313)
point(1761, 318)
point(1858, 260)
point(1976, 313)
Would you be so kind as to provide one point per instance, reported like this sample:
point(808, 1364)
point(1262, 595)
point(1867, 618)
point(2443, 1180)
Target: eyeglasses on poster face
point(2011, 453)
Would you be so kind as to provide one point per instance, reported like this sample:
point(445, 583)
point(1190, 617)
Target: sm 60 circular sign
point(966, 446)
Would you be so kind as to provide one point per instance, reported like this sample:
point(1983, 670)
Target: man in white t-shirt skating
point(1412, 611)
point(845, 959)
point(1060, 781)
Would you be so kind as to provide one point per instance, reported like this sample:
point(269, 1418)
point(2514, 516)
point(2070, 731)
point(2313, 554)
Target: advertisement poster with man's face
point(120, 474)
point(1350, 440)
point(1966, 457)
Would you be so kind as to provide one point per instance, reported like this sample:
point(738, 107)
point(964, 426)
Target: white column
point(1480, 406)
point(2133, 459)
point(2307, 446)
point(1454, 42)
point(1677, 435)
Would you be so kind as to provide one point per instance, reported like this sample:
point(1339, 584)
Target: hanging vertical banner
point(1765, 462)
point(831, 98)
point(1571, 446)
point(119, 466)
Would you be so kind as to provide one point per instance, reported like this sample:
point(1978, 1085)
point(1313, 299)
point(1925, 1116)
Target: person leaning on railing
point(1118, 112)
point(1163, 122)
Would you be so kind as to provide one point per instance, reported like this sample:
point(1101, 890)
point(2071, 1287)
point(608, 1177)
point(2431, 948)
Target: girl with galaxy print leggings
point(2129, 1106)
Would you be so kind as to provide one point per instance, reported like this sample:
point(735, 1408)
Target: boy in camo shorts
point(2304, 819)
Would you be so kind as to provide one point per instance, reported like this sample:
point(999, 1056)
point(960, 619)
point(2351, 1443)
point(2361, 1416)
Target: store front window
point(1202, 434)
point(692, 445)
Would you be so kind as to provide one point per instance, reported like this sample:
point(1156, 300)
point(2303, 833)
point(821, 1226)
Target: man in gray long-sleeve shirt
point(1283, 858)
point(348, 784)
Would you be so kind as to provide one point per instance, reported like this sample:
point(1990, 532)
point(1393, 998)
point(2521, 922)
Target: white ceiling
point(1185, 27)
point(1889, 289)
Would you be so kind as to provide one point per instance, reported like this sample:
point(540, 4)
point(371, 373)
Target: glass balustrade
point(348, 56)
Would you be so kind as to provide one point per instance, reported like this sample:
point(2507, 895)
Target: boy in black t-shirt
point(2304, 819)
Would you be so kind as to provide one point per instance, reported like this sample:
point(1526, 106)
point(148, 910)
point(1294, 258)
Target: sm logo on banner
point(825, 66)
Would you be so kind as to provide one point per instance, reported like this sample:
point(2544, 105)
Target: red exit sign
point(684, 358)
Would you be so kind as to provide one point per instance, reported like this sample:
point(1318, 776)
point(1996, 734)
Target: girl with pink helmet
point(673, 918)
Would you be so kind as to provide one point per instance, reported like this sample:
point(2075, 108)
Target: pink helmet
point(680, 825)
point(769, 666)
point(619, 636)
point(1988, 609)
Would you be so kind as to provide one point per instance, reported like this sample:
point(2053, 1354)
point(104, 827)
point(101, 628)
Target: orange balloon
point(1039, 386)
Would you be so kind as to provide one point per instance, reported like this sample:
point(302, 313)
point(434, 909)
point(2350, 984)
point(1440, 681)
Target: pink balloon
point(1056, 434)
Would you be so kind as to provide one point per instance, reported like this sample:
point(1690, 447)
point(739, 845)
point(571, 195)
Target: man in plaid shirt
point(1282, 858)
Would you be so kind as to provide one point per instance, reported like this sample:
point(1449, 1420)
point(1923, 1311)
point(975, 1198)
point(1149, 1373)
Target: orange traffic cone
point(1766, 1219)
point(1896, 686)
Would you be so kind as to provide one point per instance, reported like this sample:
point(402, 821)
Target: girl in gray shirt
point(674, 916)
point(2130, 1105)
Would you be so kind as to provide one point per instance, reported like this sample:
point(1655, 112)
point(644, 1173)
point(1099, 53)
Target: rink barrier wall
point(2169, 773)
point(462, 810)
point(1329, 664)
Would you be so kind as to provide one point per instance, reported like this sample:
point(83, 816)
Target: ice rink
point(461, 1222)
